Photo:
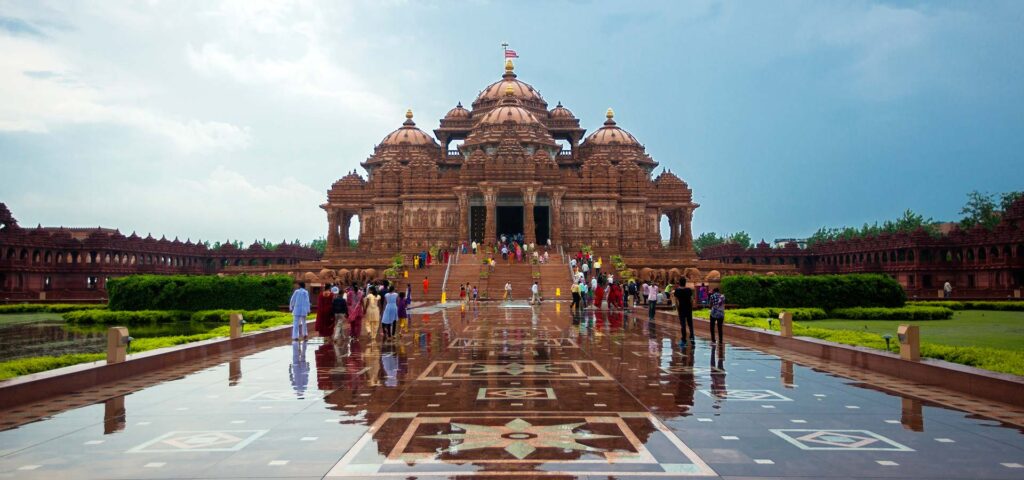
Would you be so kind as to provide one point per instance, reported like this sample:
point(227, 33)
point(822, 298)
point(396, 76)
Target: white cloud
point(40, 88)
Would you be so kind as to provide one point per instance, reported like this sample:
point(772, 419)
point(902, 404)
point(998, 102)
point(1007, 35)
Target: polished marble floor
point(500, 391)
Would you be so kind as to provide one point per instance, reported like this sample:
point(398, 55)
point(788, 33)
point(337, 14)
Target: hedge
point(150, 317)
point(200, 292)
point(912, 312)
point(49, 307)
point(1008, 306)
point(819, 291)
point(773, 312)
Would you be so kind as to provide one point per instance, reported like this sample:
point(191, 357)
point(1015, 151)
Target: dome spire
point(408, 119)
point(509, 67)
point(610, 115)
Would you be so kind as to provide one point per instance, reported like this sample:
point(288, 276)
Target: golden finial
point(509, 91)
point(508, 65)
point(408, 114)
point(609, 114)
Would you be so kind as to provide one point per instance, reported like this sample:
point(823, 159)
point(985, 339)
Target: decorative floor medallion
point(747, 395)
point(199, 441)
point(620, 445)
point(861, 440)
point(513, 342)
point(515, 394)
point(556, 370)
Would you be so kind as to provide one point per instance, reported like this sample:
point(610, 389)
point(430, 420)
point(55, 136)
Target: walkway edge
point(1001, 387)
point(38, 386)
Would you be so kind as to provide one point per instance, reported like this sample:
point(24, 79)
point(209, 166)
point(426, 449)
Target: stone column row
point(338, 223)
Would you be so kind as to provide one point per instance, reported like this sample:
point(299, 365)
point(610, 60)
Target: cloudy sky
point(231, 119)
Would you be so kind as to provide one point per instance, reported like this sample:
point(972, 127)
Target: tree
point(742, 238)
point(1007, 199)
point(705, 240)
point(320, 245)
point(980, 209)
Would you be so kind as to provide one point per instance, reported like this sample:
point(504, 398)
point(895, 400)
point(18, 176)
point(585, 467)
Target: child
point(476, 294)
point(403, 313)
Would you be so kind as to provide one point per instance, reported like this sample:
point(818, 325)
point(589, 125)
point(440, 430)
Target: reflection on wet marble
point(498, 392)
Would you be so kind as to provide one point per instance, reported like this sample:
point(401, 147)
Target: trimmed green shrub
point(1004, 306)
point(156, 317)
point(773, 312)
point(140, 317)
point(49, 307)
point(912, 312)
point(198, 292)
point(819, 291)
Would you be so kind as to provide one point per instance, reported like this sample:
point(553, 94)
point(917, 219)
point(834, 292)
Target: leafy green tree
point(742, 238)
point(1007, 199)
point(980, 209)
point(320, 245)
point(705, 240)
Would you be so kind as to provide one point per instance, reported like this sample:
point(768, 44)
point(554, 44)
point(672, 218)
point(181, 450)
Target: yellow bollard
point(910, 342)
point(406, 273)
point(558, 307)
point(444, 297)
point(558, 291)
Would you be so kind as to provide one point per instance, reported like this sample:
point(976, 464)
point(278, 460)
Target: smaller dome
point(509, 109)
point(560, 112)
point(457, 113)
point(611, 134)
point(408, 134)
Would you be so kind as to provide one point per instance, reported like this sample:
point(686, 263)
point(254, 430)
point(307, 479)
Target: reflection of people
point(686, 384)
point(299, 306)
point(718, 388)
point(389, 360)
point(299, 369)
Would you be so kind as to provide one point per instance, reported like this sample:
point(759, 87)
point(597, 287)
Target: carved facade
point(509, 165)
point(75, 263)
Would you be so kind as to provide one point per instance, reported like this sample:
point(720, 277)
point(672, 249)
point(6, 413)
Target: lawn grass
point(967, 328)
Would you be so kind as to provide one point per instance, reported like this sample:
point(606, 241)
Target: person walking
point(684, 307)
point(371, 313)
point(476, 295)
point(717, 302)
point(947, 290)
point(299, 306)
point(584, 294)
point(324, 315)
point(390, 316)
point(426, 286)
point(535, 294)
point(339, 307)
point(508, 291)
point(354, 299)
point(403, 313)
point(575, 289)
point(652, 300)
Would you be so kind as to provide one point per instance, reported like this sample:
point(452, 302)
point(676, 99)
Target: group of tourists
point(374, 309)
point(425, 259)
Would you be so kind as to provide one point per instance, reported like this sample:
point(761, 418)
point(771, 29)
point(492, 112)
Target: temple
point(509, 166)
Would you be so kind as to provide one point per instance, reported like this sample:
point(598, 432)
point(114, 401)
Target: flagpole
point(504, 48)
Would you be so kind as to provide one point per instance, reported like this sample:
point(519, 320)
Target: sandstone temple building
point(509, 165)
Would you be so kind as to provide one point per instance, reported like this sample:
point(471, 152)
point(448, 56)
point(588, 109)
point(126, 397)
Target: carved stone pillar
point(673, 232)
point(346, 224)
point(491, 226)
point(529, 225)
point(556, 217)
point(332, 231)
point(463, 217)
point(686, 230)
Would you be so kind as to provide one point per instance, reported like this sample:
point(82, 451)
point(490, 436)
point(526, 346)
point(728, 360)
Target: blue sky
point(231, 119)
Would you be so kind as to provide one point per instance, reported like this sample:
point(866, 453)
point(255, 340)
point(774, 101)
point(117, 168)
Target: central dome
point(508, 111)
point(521, 90)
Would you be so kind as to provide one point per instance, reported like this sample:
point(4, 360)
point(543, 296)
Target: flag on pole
point(511, 54)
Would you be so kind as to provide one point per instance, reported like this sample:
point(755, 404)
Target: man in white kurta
point(299, 306)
